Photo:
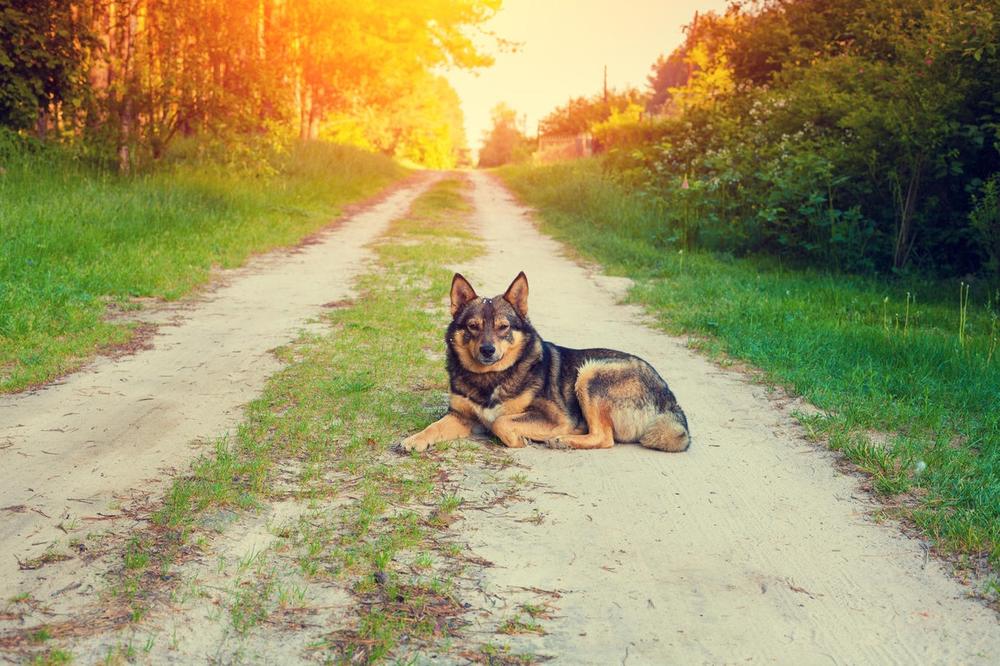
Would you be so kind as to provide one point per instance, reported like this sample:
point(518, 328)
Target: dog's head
point(489, 334)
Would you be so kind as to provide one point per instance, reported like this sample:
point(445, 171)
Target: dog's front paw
point(411, 443)
point(556, 443)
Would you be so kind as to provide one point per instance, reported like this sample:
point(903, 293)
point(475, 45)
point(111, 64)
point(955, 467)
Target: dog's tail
point(668, 432)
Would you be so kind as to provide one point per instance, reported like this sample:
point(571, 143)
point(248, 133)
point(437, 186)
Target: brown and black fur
point(506, 379)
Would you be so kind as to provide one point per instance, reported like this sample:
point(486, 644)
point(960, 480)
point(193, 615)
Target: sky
point(564, 46)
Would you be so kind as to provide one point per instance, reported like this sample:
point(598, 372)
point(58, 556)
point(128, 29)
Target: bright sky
point(565, 45)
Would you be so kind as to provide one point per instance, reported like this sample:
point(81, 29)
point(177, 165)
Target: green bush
point(857, 153)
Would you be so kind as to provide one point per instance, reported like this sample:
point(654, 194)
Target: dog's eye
point(473, 326)
point(503, 328)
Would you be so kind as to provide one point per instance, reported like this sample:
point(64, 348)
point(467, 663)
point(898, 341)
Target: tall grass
point(907, 357)
point(76, 238)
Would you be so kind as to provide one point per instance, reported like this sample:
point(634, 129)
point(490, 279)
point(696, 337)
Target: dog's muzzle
point(487, 355)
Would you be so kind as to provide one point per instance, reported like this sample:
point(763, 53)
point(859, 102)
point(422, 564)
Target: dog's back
point(621, 389)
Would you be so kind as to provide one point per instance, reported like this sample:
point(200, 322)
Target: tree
point(42, 51)
point(861, 134)
point(580, 114)
point(424, 125)
point(139, 72)
point(505, 142)
point(667, 72)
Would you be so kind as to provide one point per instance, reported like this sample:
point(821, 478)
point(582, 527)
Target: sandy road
point(67, 451)
point(749, 547)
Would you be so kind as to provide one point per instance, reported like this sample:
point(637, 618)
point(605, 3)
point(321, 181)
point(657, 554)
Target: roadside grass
point(78, 241)
point(907, 375)
point(369, 520)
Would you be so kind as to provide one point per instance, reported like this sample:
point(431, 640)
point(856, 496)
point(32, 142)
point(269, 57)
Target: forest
point(122, 79)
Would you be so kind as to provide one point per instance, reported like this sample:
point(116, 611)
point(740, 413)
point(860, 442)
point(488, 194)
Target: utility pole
point(605, 84)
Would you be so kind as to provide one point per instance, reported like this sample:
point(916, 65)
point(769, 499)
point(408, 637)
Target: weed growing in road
point(868, 352)
point(48, 557)
point(502, 655)
point(53, 658)
point(41, 635)
point(519, 625)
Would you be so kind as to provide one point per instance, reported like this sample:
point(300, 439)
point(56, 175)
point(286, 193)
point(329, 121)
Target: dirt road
point(749, 547)
point(72, 452)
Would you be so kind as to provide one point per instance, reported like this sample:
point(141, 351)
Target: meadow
point(905, 370)
point(80, 240)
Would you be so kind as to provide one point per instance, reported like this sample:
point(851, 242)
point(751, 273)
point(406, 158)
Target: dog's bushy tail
point(668, 432)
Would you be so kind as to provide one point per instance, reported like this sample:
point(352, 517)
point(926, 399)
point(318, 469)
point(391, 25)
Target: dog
point(505, 379)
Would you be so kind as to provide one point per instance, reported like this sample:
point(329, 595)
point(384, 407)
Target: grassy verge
point(357, 516)
point(904, 358)
point(76, 240)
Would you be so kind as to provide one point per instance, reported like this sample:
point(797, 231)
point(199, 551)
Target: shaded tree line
point(130, 75)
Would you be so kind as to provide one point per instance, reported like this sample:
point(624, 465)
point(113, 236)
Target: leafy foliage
point(581, 114)
point(128, 76)
point(856, 134)
point(505, 142)
point(41, 58)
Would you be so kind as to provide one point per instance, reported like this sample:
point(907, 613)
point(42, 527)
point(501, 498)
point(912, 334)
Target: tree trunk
point(904, 233)
point(42, 122)
point(305, 112)
point(314, 116)
point(128, 25)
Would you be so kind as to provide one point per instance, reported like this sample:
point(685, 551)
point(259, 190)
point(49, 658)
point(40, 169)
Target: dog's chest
point(500, 402)
point(494, 408)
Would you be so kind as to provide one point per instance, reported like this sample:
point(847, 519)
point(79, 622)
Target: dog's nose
point(487, 350)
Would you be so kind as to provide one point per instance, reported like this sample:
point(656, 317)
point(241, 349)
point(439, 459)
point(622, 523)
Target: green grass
point(53, 658)
point(518, 625)
point(76, 240)
point(861, 349)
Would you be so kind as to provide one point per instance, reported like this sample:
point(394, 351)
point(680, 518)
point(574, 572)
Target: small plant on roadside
point(136, 555)
point(518, 625)
point(41, 635)
point(502, 655)
point(54, 657)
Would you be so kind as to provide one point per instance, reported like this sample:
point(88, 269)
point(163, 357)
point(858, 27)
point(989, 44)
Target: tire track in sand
point(68, 450)
point(751, 546)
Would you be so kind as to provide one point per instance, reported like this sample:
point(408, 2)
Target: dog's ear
point(517, 294)
point(461, 293)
